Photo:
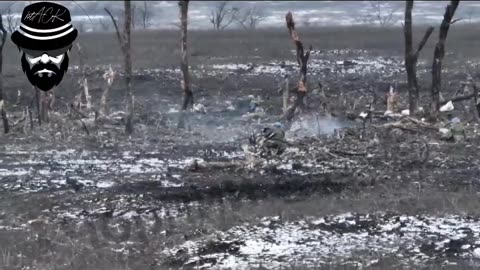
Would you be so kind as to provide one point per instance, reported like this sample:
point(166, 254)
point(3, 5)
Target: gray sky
point(315, 13)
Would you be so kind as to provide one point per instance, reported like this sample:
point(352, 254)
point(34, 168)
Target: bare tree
point(302, 59)
point(307, 22)
point(81, 27)
point(141, 15)
point(438, 55)
point(222, 16)
point(12, 22)
point(125, 44)
point(83, 81)
point(104, 25)
point(176, 25)
point(469, 15)
point(411, 57)
point(6, 127)
point(381, 13)
point(134, 15)
point(185, 84)
point(109, 77)
point(250, 18)
point(144, 15)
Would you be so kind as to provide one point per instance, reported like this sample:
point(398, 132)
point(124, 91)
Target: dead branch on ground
point(195, 165)
point(348, 153)
point(408, 123)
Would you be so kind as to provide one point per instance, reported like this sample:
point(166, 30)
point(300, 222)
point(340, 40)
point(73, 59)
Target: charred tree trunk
point(46, 100)
point(475, 97)
point(109, 77)
point(38, 101)
point(44, 108)
point(6, 127)
point(285, 95)
point(438, 57)
point(185, 83)
point(125, 43)
point(411, 57)
point(186, 86)
point(128, 66)
point(302, 59)
point(83, 82)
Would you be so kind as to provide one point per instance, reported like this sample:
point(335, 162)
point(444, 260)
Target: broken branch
point(302, 59)
point(115, 25)
point(424, 40)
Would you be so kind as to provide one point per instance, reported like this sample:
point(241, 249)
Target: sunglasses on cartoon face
point(54, 56)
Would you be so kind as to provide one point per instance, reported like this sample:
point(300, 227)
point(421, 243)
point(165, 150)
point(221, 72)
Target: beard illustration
point(45, 76)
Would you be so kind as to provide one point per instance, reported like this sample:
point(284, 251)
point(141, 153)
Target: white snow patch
point(105, 184)
point(335, 238)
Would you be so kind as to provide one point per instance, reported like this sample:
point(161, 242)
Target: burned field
point(388, 193)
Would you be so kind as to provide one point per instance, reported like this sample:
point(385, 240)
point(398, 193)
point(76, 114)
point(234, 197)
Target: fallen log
point(402, 125)
point(74, 109)
point(348, 153)
point(458, 99)
point(195, 165)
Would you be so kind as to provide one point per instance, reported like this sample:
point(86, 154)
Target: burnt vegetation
point(180, 148)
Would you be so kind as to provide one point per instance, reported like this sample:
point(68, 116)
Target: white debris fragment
point(476, 253)
point(363, 115)
point(406, 112)
point(172, 110)
point(444, 131)
point(105, 184)
point(448, 107)
point(230, 106)
point(199, 108)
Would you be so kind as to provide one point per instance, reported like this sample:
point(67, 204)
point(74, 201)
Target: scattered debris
point(332, 240)
point(448, 107)
point(199, 108)
point(446, 134)
point(405, 112)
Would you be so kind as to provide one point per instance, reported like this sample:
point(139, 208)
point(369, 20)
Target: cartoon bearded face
point(45, 70)
point(45, 36)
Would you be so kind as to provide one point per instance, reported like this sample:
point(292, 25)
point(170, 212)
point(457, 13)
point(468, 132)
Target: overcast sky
point(315, 13)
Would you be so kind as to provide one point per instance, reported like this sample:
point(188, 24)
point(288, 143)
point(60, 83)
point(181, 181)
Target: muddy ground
point(340, 197)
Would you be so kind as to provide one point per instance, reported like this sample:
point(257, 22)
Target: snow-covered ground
point(30, 171)
point(320, 241)
point(324, 63)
